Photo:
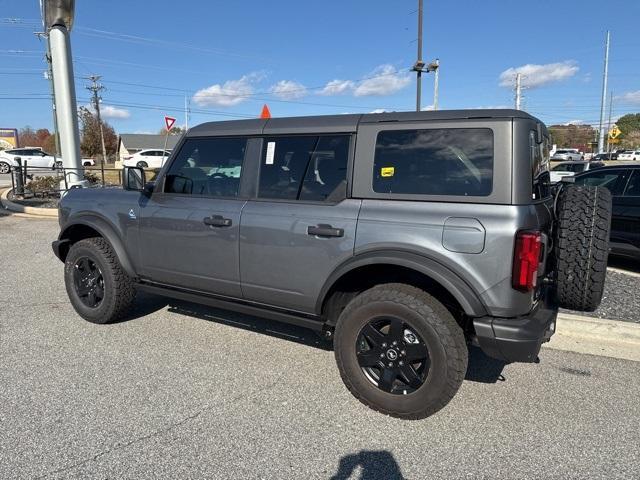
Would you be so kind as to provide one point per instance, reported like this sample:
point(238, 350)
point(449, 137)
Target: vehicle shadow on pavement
point(145, 304)
point(481, 368)
point(624, 263)
point(264, 326)
point(373, 465)
point(484, 369)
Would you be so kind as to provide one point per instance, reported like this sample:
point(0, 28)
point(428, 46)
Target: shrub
point(43, 184)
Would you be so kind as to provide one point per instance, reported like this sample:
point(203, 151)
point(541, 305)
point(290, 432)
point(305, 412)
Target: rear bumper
point(518, 339)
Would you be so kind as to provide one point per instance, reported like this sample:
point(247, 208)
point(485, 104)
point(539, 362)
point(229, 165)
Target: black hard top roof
point(340, 123)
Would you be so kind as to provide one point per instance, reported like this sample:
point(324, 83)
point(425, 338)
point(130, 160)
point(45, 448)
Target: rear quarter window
point(442, 161)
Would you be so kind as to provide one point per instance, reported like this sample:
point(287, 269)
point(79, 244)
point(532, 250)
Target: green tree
point(629, 123)
point(174, 131)
point(90, 143)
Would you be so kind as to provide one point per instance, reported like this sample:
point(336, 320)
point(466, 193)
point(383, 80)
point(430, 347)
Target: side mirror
point(133, 178)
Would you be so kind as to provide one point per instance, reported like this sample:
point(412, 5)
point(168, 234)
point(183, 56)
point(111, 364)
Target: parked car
point(567, 169)
point(624, 183)
point(459, 240)
point(88, 162)
point(629, 155)
point(603, 157)
point(566, 154)
point(149, 158)
point(33, 157)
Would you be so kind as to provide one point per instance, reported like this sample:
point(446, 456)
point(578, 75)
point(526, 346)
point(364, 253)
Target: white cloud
point(534, 76)
point(288, 90)
point(228, 94)
point(574, 122)
point(384, 80)
point(427, 108)
point(337, 87)
point(630, 97)
point(379, 110)
point(108, 111)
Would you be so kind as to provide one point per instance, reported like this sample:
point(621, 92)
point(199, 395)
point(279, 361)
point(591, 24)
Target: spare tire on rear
point(582, 245)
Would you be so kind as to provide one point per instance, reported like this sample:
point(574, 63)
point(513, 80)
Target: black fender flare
point(106, 231)
point(465, 295)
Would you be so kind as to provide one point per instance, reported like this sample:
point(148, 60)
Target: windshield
point(569, 167)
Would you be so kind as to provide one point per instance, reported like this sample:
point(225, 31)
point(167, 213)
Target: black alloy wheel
point(88, 282)
point(392, 356)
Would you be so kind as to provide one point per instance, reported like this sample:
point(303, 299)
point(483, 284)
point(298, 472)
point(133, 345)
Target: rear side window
point(611, 179)
point(444, 161)
point(539, 158)
point(309, 168)
point(207, 166)
point(633, 187)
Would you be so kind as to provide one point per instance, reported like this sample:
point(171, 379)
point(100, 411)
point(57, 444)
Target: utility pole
point(96, 88)
point(418, 67)
point(609, 122)
point(186, 113)
point(518, 91)
point(604, 95)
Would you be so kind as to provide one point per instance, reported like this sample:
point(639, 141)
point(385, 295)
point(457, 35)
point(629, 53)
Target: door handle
point(324, 230)
point(217, 221)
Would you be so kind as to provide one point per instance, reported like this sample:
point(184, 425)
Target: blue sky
point(323, 57)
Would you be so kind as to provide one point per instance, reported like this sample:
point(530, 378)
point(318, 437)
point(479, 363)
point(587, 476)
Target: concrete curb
point(31, 211)
point(596, 336)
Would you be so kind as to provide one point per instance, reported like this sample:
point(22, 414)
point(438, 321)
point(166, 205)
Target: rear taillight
point(526, 258)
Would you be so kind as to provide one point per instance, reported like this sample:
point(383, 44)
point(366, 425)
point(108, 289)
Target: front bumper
point(518, 339)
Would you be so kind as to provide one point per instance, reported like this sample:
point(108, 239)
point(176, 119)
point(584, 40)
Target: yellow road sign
point(614, 132)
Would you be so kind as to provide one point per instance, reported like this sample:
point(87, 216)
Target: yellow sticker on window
point(387, 171)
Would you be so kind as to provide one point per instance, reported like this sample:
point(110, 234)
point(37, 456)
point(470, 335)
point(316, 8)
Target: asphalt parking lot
point(182, 391)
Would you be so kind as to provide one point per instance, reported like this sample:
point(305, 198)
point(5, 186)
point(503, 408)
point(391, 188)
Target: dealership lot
point(186, 391)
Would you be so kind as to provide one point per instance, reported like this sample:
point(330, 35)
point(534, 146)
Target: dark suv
point(405, 237)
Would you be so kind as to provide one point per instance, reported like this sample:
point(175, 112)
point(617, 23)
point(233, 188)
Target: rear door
point(301, 226)
point(628, 211)
point(189, 227)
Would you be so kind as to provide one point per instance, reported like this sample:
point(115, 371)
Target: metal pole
point(95, 88)
point(186, 113)
point(518, 90)
point(604, 95)
point(65, 98)
point(609, 122)
point(419, 63)
point(436, 84)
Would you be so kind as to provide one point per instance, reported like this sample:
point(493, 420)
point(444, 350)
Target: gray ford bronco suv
point(404, 237)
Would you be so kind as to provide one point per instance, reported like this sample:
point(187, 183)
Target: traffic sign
point(614, 132)
point(266, 113)
point(169, 121)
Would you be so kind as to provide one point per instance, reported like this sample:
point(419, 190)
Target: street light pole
point(57, 17)
point(604, 96)
point(419, 65)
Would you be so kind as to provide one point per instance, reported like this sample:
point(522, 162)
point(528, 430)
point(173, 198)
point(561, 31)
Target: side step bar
point(312, 322)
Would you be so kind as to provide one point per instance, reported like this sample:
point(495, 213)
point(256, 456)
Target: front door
point(189, 227)
point(301, 226)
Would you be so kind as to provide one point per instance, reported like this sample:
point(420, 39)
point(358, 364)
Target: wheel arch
point(87, 227)
point(418, 270)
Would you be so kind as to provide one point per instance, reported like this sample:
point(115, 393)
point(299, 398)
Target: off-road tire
point(582, 246)
point(432, 321)
point(119, 293)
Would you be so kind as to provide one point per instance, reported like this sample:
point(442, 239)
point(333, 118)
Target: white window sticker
point(271, 150)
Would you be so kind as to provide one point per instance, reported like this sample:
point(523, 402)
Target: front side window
point(207, 166)
point(444, 161)
point(309, 168)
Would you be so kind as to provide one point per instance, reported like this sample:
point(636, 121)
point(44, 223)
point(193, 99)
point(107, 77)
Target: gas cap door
point(463, 235)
